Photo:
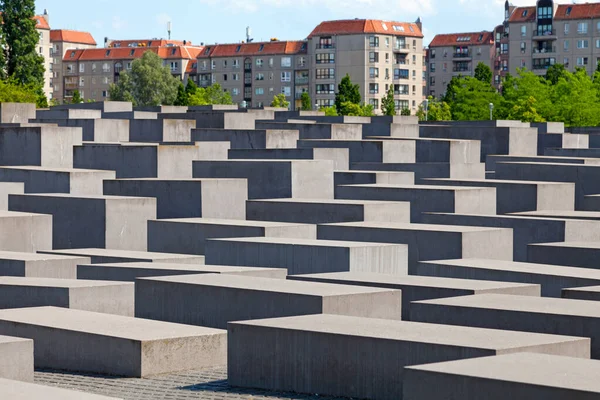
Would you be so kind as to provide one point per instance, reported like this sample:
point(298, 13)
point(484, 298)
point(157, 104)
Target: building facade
point(457, 54)
point(44, 49)
point(255, 72)
point(375, 54)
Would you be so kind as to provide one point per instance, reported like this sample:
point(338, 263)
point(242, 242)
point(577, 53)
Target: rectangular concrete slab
point(552, 278)
point(574, 254)
point(189, 235)
point(98, 256)
point(84, 341)
point(35, 265)
point(519, 313)
point(16, 390)
point(520, 376)
point(214, 300)
point(303, 256)
point(25, 232)
point(98, 296)
point(7, 188)
point(130, 271)
point(16, 359)
point(582, 293)
point(416, 288)
point(311, 349)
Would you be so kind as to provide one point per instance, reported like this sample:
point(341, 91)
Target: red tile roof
point(523, 14)
point(63, 35)
point(166, 53)
point(253, 49)
point(149, 43)
point(41, 22)
point(452, 39)
point(358, 26)
point(578, 11)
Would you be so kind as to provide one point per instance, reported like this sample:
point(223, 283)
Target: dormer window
point(107, 53)
point(568, 12)
point(207, 51)
point(525, 13)
point(262, 46)
point(72, 54)
point(237, 49)
point(173, 52)
point(131, 53)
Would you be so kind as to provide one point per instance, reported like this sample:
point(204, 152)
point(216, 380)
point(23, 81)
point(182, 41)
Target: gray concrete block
point(16, 360)
point(161, 130)
point(85, 341)
point(46, 146)
point(303, 256)
point(517, 313)
point(422, 198)
point(57, 180)
point(271, 179)
point(520, 196)
point(104, 106)
point(7, 188)
point(429, 150)
point(130, 271)
point(416, 288)
point(520, 376)
point(36, 265)
point(15, 390)
point(376, 151)
point(92, 221)
point(16, 113)
point(340, 157)
point(574, 254)
point(327, 211)
point(214, 300)
point(552, 278)
point(493, 159)
point(311, 349)
point(345, 177)
point(94, 129)
point(213, 151)
point(424, 171)
point(25, 232)
point(334, 131)
point(98, 296)
point(248, 138)
point(427, 242)
point(189, 236)
point(582, 293)
point(575, 215)
point(100, 256)
point(210, 198)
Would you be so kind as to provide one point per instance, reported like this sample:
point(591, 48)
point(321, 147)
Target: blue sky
point(225, 21)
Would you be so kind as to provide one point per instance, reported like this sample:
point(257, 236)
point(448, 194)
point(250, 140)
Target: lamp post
point(491, 111)
point(316, 106)
point(244, 104)
point(426, 104)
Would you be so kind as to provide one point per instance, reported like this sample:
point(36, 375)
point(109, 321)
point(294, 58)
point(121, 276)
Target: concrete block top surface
point(325, 201)
point(82, 196)
point(588, 289)
point(11, 255)
point(522, 267)
point(232, 222)
point(541, 305)
point(529, 368)
point(103, 324)
point(11, 339)
point(56, 283)
point(267, 285)
point(413, 280)
point(200, 269)
point(501, 181)
point(17, 390)
point(53, 169)
point(199, 180)
point(561, 214)
point(17, 214)
point(419, 187)
point(118, 253)
point(415, 227)
point(571, 245)
point(409, 331)
point(306, 242)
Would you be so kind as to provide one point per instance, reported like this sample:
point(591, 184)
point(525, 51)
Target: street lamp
point(426, 104)
point(316, 106)
point(244, 104)
point(491, 111)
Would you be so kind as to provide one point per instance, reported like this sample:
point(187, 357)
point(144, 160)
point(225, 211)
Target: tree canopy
point(214, 94)
point(483, 73)
point(280, 101)
point(388, 105)
point(306, 102)
point(347, 93)
point(436, 110)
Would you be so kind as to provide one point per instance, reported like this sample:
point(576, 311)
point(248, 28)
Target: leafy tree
point(517, 90)
point(405, 111)
point(213, 94)
point(357, 110)
point(347, 92)
point(306, 101)
point(280, 101)
point(470, 99)
point(76, 97)
point(437, 111)
point(330, 111)
point(575, 99)
point(182, 97)
point(190, 88)
point(555, 72)
point(20, 39)
point(12, 92)
point(483, 73)
point(525, 111)
point(388, 105)
point(149, 83)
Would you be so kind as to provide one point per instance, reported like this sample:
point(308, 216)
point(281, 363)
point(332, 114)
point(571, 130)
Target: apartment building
point(62, 41)
point(458, 54)
point(376, 54)
point(255, 72)
point(44, 47)
point(549, 33)
point(92, 71)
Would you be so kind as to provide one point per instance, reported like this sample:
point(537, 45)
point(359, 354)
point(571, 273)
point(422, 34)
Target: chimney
point(46, 16)
point(419, 23)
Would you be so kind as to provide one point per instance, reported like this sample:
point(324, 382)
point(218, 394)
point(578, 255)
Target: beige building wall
point(44, 49)
point(58, 52)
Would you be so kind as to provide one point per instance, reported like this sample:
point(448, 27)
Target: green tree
point(329, 111)
point(483, 73)
point(76, 99)
point(306, 101)
point(518, 89)
point(182, 97)
point(279, 101)
point(149, 83)
point(347, 92)
point(20, 39)
point(12, 92)
point(555, 72)
point(405, 111)
point(213, 94)
point(357, 110)
point(525, 111)
point(190, 88)
point(575, 99)
point(436, 110)
point(388, 105)
point(470, 99)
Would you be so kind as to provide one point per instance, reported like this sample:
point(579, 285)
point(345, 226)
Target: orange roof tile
point(166, 53)
point(63, 35)
point(523, 14)
point(254, 49)
point(41, 22)
point(149, 43)
point(357, 26)
point(578, 11)
point(468, 39)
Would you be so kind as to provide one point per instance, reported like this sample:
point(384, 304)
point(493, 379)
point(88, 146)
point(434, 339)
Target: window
point(432, 53)
point(235, 77)
point(260, 76)
point(321, 103)
point(93, 67)
point(128, 66)
point(414, 58)
point(302, 61)
point(325, 43)
point(544, 12)
point(93, 80)
point(374, 88)
point(403, 89)
point(104, 93)
point(325, 88)
point(566, 45)
point(598, 43)
point(325, 58)
point(373, 57)
point(224, 63)
point(566, 61)
point(105, 68)
point(81, 82)
point(373, 72)
point(287, 90)
point(401, 104)
point(286, 76)
point(374, 103)
point(431, 83)
point(387, 42)
point(224, 77)
point(581, 61)
point(81, 68)
point(373, 41)
point(432, 67)
point(523, 30)
point(259, 91)
point(598, 26)
point(237, 49)
point(105, 80)
point(235, 91)
point(387, 57)
point(259, 62)
point(325, 73)
point(236, 63)
point(523, 63)
point(286, 62)
point(261, 48)
point(582, 44)
point(567, 28)
point(213, 64)
point(174, 66)
point(107, 53)
point(400, 73)
point(582, 27)
point(523, 47)
point(270, 76)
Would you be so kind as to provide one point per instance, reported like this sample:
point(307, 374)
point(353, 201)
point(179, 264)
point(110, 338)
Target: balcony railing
point(544, 50)
point(302, 80)
point(401, 77)
point(401, 47)
point(323, 46)
point(461, 69)
point(396, 93)
point(544, 32)
point(463, 54)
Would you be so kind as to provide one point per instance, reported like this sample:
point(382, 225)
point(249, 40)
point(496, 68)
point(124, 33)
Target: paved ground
point(204, 384)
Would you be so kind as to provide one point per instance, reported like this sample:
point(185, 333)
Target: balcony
point(544, 34)
point(461, 69)
point(401, 77)
point(401, 48)
point(462, 55)
point(71, 85)
point(543, 51)
point(301, 80)
point(324, 46)
point(204, 84)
